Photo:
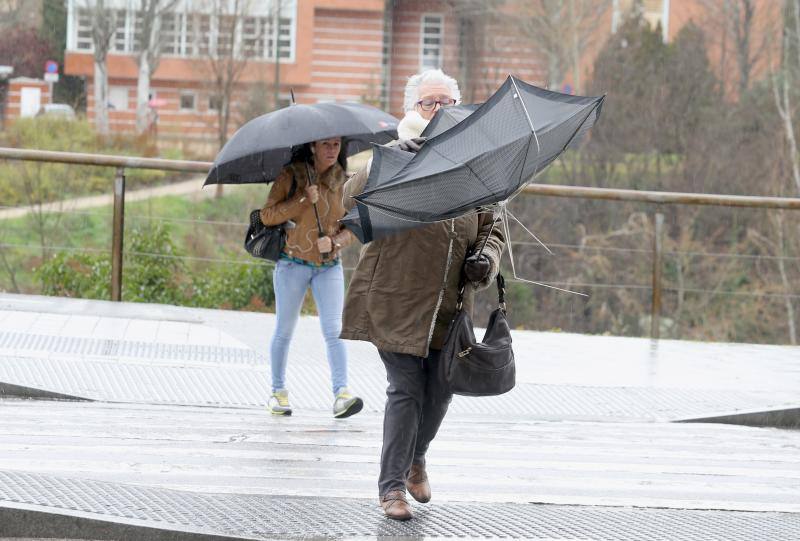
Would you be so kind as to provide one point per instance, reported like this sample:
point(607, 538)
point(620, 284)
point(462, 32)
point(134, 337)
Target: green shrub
point(84, 276)
point(153, 270)
point(234, 287)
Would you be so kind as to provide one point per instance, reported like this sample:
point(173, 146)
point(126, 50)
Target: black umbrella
point(480, 161)
point(263, 146)
point(369, 224)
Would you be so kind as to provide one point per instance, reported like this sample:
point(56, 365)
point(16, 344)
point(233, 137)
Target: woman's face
point(428, 92)
point(326, 152)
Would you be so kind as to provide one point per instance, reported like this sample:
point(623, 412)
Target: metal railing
point(120, 163)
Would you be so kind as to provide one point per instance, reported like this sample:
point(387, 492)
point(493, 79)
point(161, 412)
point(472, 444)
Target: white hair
point(428, 76)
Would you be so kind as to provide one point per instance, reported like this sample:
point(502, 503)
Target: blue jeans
point(291, 280)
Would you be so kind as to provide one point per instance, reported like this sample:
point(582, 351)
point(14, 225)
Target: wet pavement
point(175, 442)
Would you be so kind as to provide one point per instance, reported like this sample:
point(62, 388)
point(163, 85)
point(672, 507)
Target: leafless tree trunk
point(783, 87)
point(226, 60)
point(104, 23)
point(149, 42)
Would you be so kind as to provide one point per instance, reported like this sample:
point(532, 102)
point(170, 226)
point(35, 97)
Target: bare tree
point(104, 23)
point(149, 43)
point(745, 26)
point(226, 60)
point(784, 85)
point(562, 30)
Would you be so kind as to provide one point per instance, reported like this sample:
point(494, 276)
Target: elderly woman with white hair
point(402, 297)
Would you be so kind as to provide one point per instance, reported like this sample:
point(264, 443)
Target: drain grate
point(267, 517)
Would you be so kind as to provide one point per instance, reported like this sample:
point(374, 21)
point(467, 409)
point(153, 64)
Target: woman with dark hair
point(309, 192)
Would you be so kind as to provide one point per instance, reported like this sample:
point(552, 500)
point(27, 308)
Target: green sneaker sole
point(284, 413)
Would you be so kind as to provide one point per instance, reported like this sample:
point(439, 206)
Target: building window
point(187, 101)
point(192, 30)
point(226, 35)
point(214, 102)
point(255, 31)
point(202, 36)
point(284, 39)
point(431, 41)
point(118, 98)
point(119, 41)
point(170, 30)
point(83, 27)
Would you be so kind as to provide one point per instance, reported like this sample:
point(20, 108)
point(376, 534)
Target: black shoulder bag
point(266, 241)
point(474, 368)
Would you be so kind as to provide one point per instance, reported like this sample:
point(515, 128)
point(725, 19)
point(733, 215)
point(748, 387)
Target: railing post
point(658, 261)
point(116, 241)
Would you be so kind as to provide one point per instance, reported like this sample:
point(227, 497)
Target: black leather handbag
point(474, 368)
point(266, 241)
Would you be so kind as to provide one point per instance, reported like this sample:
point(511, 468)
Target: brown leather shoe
point(395, 505)
point(417, 483)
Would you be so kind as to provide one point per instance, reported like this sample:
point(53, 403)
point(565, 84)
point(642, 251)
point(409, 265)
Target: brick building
point(24, 97)
point(361, 50)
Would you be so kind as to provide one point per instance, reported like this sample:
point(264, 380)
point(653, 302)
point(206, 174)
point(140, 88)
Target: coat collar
point(332, 178)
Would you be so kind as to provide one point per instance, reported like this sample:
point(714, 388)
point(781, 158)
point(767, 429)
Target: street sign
point(51, 66)
point(51, 77)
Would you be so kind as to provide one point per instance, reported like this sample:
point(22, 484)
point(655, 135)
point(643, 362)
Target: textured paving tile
point(260, 517)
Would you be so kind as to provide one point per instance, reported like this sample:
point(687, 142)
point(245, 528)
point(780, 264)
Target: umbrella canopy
point(447, 117)
point(388, 161)
point(482, 160)
point(263, 146)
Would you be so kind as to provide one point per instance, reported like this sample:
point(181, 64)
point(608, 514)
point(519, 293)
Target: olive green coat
point(403, 292)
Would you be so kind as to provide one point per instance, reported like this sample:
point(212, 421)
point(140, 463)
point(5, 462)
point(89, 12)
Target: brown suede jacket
point(301, 241)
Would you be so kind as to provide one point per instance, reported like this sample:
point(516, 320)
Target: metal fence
point(656, 251)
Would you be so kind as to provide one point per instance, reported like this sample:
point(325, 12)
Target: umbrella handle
point(320, 232)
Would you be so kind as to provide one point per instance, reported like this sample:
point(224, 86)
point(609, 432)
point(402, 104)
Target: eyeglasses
point(430, 104)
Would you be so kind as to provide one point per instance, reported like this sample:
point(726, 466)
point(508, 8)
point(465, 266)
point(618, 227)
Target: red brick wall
point(405, 46)
point(346, 57)
point(14, 96)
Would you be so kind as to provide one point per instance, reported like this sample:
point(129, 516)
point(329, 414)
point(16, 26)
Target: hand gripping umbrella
point(479, 163)
point(263, 146)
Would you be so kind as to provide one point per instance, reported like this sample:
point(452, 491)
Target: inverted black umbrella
point(388, 161)
point(483, 160)
point(447, 117)
point(263, 146)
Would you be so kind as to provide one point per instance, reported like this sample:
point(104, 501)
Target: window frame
point(422, 46)
point(187, 93)
point(119, 88)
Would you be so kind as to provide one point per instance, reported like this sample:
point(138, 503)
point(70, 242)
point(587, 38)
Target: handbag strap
point(501, 292)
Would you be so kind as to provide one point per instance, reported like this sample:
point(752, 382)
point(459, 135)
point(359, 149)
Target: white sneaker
point(279, 403)
point(346, 404)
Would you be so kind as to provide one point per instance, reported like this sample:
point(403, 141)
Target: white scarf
point(412, 125)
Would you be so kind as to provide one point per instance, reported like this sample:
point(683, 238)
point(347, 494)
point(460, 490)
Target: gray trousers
point(416, 403)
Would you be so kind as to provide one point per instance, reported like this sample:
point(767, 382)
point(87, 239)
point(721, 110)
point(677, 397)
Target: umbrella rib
point(530, 233)
point(513, 268)
point(525, 108)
